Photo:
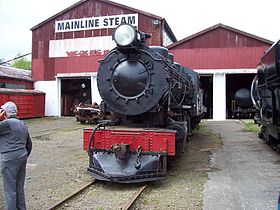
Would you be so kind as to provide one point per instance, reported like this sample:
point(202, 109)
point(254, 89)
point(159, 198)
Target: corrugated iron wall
point(30, 104)
point(220, 38)
point(219, 58)
point(220, 49)
point(45, 68)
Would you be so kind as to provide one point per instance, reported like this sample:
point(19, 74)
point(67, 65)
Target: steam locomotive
point(242, 105)
point(265, 92)
point(154, 104)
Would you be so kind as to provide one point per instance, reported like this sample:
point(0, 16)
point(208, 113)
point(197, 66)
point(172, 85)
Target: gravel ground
point(57, 163)
point(57, 167)
point(181, 189)
point(183, 186)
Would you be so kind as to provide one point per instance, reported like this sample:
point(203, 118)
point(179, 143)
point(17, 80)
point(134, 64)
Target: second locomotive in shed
point(242, 105)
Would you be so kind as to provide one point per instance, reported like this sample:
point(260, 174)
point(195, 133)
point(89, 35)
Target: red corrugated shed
point(20, 77)
point(30, 103)
point(16, 82)
point(220, 47)
point(46, 68)
point(16, 85)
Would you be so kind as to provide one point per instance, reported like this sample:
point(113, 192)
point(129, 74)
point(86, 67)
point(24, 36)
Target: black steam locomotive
point(154, 104)
point(242, 105)
point(265, 93)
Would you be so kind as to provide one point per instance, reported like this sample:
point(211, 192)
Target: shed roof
point(15, 73)
point(166, 26)
point(219, 25)
point(20, 91)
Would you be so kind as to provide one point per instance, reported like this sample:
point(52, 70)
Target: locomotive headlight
point(124, 35)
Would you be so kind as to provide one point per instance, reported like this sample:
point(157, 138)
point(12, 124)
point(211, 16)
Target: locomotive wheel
point(180, 131)
point(277, 148)
point(265, 136)
point(180, 137)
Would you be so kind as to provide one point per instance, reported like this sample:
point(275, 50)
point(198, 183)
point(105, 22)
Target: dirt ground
point(183, 187)
point(57, 167)
point(57, 163)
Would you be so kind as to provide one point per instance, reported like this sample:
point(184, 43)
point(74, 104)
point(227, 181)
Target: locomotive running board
point(104, 165)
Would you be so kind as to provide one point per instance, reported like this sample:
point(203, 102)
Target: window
point(12, 86)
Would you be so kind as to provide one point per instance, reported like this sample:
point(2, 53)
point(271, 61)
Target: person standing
point(15, 147)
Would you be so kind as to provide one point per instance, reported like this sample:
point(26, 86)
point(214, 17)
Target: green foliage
point(21, 63)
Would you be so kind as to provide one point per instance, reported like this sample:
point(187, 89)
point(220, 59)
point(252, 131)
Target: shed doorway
point(206, 83)
point(238, 99)
point(73, 92)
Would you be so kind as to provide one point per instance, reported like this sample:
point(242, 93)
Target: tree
point(21, 62)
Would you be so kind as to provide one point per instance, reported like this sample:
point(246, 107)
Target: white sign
point(90, 46)
point(95, 23)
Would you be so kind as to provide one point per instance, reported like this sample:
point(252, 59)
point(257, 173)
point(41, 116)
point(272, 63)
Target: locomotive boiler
point(154, 104)
point(265, 91)
point(243, 105)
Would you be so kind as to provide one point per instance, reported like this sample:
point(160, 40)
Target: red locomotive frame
point(152, 140)
point(128, 155)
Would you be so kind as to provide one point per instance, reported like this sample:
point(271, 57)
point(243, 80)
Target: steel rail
point(133, 199)
point(59, 203)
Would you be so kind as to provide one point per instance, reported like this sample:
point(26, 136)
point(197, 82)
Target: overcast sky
point(258, 17)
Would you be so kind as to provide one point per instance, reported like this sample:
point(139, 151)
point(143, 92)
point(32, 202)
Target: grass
point(202, 127)
point(251, 126)
point(209, 135)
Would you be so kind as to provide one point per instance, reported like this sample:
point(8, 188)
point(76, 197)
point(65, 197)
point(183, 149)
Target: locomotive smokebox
point(243, 98)
point(133, 83)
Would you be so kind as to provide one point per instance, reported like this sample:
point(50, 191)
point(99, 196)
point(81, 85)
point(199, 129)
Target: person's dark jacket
point(15, 141)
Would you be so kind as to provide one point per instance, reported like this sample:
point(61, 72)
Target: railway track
point(80, 190)
point(134, 198)
point(126, 206)
point(49, 126)
point(64, 136)
point(45, 132)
